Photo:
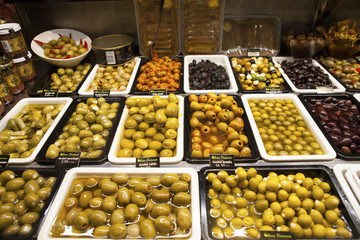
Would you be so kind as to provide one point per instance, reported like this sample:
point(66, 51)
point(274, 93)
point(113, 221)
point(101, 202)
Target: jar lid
point(111, 42)
point(6, 28)
point(6, 63)
point(22, 59)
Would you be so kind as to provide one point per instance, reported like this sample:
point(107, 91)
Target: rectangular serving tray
point(30, 101)
point(316, 171)
point(41, 159)
point(83, 89)
point(113, 158)
point(317, 134)
point(338, 86)
point(247, 129)
point(132, 172)
point(220, 60)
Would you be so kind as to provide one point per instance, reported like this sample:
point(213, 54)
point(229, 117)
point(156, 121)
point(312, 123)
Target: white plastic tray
point(222, 60)
point(355, 183)
point(132, 172)
point(339, 87)
point(317, 134)
point(113, 158)
point(30, 101)
point(83, 89)
point(345, 178)
point(357, 96)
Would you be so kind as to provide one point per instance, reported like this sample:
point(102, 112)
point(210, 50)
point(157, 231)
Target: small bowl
point(54, 34)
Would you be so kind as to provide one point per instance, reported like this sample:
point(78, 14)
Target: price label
point(322, 90)
point(50, 92)
point(101, 93)
point(275, 235)
point(221, 160)
point(253, 52)
point(159, 92)
point(273, 90)
point(68, 160)
point(4, 160)
point(148, 162)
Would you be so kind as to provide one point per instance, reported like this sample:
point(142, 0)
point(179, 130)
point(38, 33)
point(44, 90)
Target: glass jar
point(25, 68)
point(12, 40)
point(6, 95)
point(10, 74)
point(2, 107)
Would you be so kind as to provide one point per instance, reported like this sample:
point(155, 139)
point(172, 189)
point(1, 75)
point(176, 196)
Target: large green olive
point(139, 199)
point(169, 178)
point(94, 154)
point(29, 218)
point(101, 231)
point(109, 188)
point(164, 225)
point(143, 187)
point(31, 199)
point(52, 151)
point(6, 176)
point(30, 175)
point(160, 209)
point(6, 219)
point(117, 216)
point(31, 186)
point(20, 208)
point(117, 230)
point(184, 219)
point(81, 221)
point(85, 198)
point(109, 204)
point(98, 217)
point(9, 197)
point(76, 188)
point(161, 195)
point(14, 184)
point(131, 212)
point(147, 229)
point(25, 229)
point(11, 230)
point(179, 186)
point(181, 199)
point(123, 196)
point(120, 178)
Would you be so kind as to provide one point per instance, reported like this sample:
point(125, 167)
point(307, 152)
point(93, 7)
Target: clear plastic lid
point(251, 35)
point(147, 21)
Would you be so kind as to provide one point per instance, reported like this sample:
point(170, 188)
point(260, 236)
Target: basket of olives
point(284, 130)
point(87, 127)
point(62, 47)
point(122, 203)
point(25, 129)
point(25, 195)
point(305, 201)
point(216, 124)
point(150, 126)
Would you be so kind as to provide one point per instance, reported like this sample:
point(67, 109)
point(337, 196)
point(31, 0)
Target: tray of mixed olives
point(284, 130)
point(258, 74)
point(347, 71)
point(88, 127)
point(305, 201)
point(27, 126)
point(150, 126)
point(204, 73)
point(216, 124)
point(121, 203)
point(307, 76)
point(25, 195)
point(66, 80)
point(338, 117)
point(117, 79)
point(159, 73)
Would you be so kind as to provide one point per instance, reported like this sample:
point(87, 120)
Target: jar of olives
point(25, 68)
point(12, 40)
point(6, 95)
point(11, 76)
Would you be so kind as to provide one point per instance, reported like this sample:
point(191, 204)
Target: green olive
point(25, 229)
point(14, 184)
point(11, 230)
point(71, 202)
point(117, 216)
point(131, 212)
point(6, 176)
point(31, 186)
point(6, 219)
point(143, 187)
point(123, 196)
point(52, 151)
point(168, 179)
point(109, 204)
point(147, 229)
point(160, 209)
point(31, 199)
point(179, 186)
point(85, 198)
point(101, 231)
point(28, 175)
point(81, 221)
point(161, 195)
point(77, 188)
point(181, 199)
point(184, 219)
point(29, 218)
point(139, 199)
point(20, 208)
point(163, 225)
point(98, 217)
point(118, 230)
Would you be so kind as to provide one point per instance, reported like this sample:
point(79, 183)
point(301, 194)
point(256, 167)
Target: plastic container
point(113, 49)
point(44, 173)
point(244, 34)
point(135, 91)
point(344, 177)
point(340, 154)
point(113, 153)
point(132, 172)
point(303, 45)
point(310, 123)
point(285, 88)
point(25, 68)
point(147, 21)
point(252, 144)
point(201, 26)
point(45, 81)
point(321, 172)
point(30, 101)
point(83, 91)
point(357, 96)
point(220, 60)
point(12, 40)
point(41, 159)
point(10, 74)
point(337, 87)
